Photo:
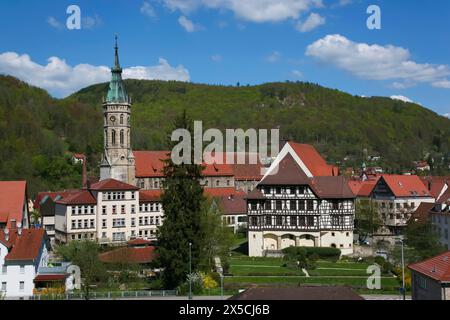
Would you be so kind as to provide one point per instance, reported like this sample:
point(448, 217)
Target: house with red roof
point(440, 218)
point(14, 204)
point(22, 253)
point(431, 278)
point(300, 201)
point(397, 198)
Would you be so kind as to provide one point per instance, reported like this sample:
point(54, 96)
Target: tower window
point(121, 119)
point(113, 137)
point(122, 139)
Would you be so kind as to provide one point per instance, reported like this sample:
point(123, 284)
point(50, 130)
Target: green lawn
point(246, 271)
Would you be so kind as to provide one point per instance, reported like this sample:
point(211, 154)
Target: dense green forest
point(38, 133)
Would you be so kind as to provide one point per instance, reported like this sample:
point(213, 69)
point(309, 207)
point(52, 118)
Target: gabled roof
point(150, 195)
point(445, 198)
point(112, 184)
point(43, 196)
point(256, 194)
point(286, 172)
point(12, 201)
point(80, 197)
point(437, 268)
point(363, 188)
point(313, 160)
point(24, 247)
point(406, 186)
point(332, 188)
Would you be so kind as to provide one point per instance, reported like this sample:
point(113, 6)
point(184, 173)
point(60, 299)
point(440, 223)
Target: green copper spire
point(117, 92)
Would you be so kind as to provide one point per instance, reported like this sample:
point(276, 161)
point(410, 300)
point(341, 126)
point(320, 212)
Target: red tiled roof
point(256, 194)
point(53, 195)
point(241, 171)
point(50, 277)
point(288, 173)
point(232, 205)
point(112, 184)
point(435, 184)
point(406, 186)
point(79, 156)
point(437, 268)
point(27, 246)
point(220, 192)
point(139, 242)
point(313, 160)
point(150, 164)
point(362, 188)
point(422, 212)
point(332, 187)
point(12, 201)
point(80, 197)
point(445, 198)
point(150, 195)
point(129, 255)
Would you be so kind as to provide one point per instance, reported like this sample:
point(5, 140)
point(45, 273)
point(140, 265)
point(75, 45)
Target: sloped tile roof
point(129, 255)
point(150, 195)
point(406, 186)
point(12, 201)
point(23, 247)
point(437, 268)
point(112, 184)
point(313, 160)
point(80, 197)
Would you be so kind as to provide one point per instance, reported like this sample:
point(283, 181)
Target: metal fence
point(107, 295)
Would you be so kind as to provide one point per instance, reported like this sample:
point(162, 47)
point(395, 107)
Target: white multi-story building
point(440, 219)
point(22, 253)
point(397, 198)
point(109, 211)
point(300, 202)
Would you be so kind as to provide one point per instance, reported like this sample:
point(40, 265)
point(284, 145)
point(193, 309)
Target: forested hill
point(38, 132)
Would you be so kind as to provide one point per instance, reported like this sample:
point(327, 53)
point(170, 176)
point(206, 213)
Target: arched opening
point(121, 119)
point(306, 240)
point(270, 242)
point(287, 240)
point(333, 245)
point(113, 137)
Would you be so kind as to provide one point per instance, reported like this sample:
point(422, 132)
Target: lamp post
point(190, 271)
point(403, 272)
point(221, 285)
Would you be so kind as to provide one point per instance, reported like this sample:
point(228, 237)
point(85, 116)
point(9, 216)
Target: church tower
point(118, 160)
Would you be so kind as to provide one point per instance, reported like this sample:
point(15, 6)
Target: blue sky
point(230, 41)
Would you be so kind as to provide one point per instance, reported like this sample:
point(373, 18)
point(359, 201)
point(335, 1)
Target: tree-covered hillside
point(37, 131)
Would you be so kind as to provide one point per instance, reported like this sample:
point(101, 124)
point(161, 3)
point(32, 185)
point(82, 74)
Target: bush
point(313, 253)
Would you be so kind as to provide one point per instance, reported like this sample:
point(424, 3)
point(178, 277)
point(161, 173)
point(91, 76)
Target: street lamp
point(190, 271)
point(403, 272)
point(221, 285)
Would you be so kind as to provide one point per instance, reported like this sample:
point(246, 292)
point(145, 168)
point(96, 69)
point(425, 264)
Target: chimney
point(85, 182)
point(429, 185)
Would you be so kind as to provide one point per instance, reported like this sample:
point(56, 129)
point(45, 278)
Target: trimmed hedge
point(314, 253)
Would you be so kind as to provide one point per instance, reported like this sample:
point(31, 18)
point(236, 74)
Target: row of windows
point(437, 219)
point(78, 210)
point(397, 216)
point(301, 205)
point(295, 221)
point(406, 205)
point(150, 207)
point(113, 137)
point(5, 270)
point(83, 236)
point(83, 224)
point(117, 195)
point(282, 190)
point(143, 221)
point(122, 208)
point(233, 219)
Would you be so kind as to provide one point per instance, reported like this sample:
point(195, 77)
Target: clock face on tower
point(113, 118)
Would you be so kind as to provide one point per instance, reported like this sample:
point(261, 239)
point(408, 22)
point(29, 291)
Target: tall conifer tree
point(182, 200)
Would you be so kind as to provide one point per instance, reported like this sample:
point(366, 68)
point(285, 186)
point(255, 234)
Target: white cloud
point(61, 79)
point(442, 84)
point(188, 25)
point(216, 58)
point(447, 115)
point(250, 10)
point(273, 57)
point(90, 22)
point(53, 22)
point(402, 98)
point(376, 62)
point(312, 22)
point(148, 10)
point(297, 73)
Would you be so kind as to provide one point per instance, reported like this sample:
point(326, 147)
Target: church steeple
point(118, 159)
point(117, 92)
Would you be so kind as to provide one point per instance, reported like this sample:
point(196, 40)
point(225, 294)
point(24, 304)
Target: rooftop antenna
point(6, 230)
